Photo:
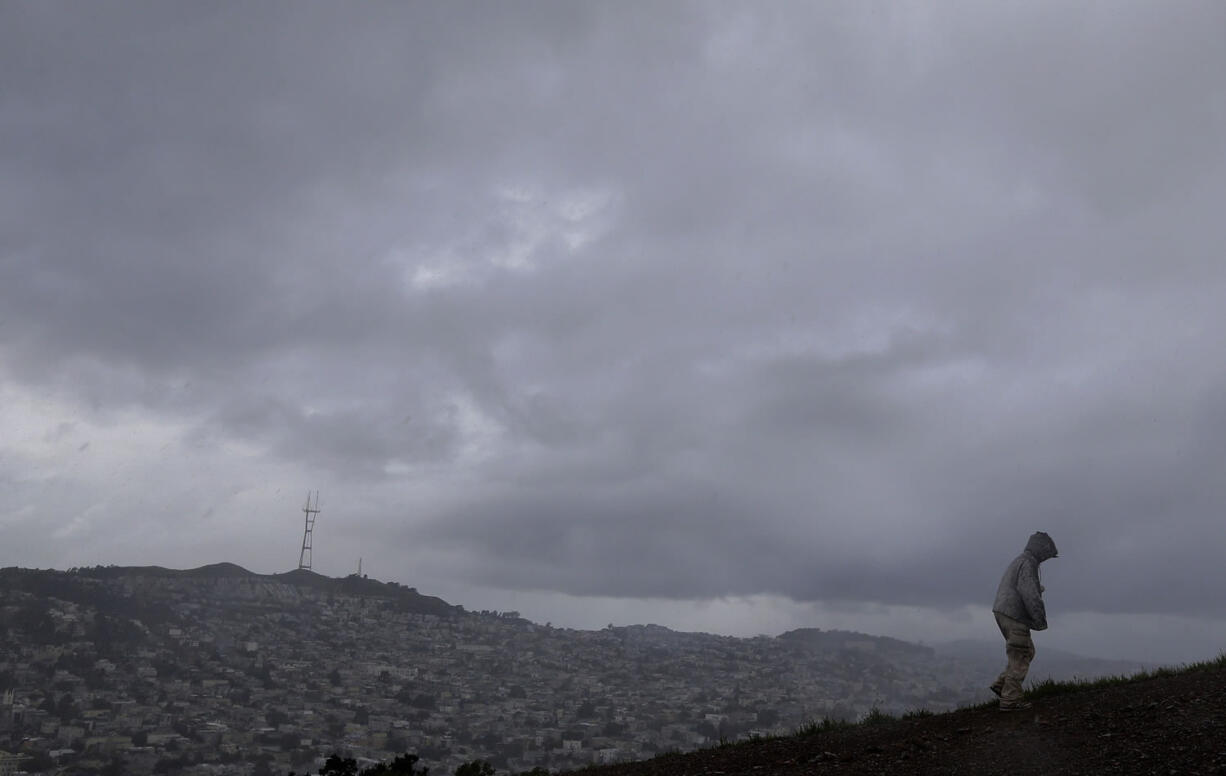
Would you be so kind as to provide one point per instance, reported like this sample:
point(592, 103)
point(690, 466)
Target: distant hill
point(134, 589)
point(211, 571)
point(834, 640)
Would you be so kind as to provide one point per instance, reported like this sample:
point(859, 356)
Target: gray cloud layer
point(681, 300)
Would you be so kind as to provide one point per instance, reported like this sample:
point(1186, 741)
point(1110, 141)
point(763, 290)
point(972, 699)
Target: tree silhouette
point(475, 768)
point(402, 765)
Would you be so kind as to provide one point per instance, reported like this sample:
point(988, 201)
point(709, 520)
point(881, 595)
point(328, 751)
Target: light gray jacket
point(1020, 595)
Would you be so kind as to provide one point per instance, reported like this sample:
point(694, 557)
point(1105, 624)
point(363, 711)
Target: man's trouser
point(1019, 649)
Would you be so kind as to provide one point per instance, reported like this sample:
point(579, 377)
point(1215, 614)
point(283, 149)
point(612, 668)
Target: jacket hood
point(1041, 546)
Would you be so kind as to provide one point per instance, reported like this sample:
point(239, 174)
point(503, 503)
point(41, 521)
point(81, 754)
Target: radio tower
point(304, 559)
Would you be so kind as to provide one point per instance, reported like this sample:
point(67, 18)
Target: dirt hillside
point(1167, 725)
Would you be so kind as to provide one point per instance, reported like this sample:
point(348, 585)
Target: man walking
point(1019, 609)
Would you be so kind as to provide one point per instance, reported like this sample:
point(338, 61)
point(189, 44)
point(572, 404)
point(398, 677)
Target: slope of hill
point(1170, 723)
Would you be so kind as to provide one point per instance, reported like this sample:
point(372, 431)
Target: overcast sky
point(728, 316)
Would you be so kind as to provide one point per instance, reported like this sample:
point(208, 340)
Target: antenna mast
point(304, 558)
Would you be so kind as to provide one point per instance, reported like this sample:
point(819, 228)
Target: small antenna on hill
point(359, 567)
point(304, 558)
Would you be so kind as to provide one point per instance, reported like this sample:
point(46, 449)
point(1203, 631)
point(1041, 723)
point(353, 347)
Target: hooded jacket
point(1020, 595)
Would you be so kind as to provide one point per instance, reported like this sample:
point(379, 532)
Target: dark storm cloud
point(679, 300)
point(909, 501)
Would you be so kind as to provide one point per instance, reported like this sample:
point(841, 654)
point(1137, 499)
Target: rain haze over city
point(730, 317)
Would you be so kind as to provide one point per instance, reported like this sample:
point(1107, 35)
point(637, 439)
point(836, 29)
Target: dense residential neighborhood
point(221, 671)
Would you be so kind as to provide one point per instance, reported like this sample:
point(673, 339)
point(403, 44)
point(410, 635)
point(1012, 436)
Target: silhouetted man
point(1019, 609)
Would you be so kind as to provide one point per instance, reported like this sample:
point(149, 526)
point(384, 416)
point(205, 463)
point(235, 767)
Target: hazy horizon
point(750, 617)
